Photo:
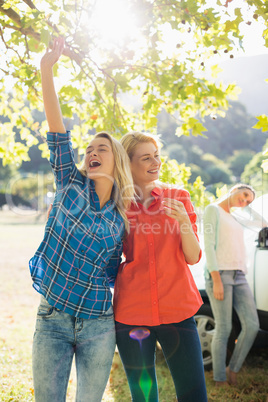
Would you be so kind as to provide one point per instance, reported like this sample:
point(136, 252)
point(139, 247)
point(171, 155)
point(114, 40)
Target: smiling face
point(145, 163)
point(99, 159)
point(241, 197)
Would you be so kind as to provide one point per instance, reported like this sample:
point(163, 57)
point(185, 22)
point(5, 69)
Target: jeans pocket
point(108, 314)
point(45, 310)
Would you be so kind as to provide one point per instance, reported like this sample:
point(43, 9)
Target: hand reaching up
point(51, 102)
point(52, 56)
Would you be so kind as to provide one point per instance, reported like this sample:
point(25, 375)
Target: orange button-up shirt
point(154, 285)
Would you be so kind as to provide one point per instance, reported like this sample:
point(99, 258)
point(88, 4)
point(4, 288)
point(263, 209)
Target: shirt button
point(151, 244)
point(153, 283)
point(69, 287)
point(82, 251)
point(154, 302)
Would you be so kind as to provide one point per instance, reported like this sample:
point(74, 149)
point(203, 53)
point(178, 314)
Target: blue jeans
point(58, 337)
point(181, 347)
point(237, 295)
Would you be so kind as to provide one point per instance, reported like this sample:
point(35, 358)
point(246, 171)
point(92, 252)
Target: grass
point(19, 237)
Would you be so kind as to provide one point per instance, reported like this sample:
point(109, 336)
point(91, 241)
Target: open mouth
point(153, 171)
point(94, 164)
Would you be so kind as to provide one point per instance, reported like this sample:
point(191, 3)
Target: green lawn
point(19, 237)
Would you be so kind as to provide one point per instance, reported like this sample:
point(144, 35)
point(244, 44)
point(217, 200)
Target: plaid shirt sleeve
point(61, 156)
point(113, 265)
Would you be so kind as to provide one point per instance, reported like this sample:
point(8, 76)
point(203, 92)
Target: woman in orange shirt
point(155, 295)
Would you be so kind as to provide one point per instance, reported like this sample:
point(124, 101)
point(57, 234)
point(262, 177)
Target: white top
point(230, 252)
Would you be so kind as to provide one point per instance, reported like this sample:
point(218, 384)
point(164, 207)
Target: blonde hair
point(123, 195)
point(132, 139)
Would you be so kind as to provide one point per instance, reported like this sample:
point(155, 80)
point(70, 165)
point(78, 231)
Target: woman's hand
point(218, 289)
point(190, 246)
point(176, 210)
point(52, 56)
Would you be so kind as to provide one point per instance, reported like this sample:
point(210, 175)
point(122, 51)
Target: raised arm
point(51, 102)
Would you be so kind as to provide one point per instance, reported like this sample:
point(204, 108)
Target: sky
point(253, 40)
point(117, 22)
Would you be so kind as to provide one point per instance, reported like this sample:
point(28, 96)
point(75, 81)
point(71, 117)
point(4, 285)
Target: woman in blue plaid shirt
point(77, 261)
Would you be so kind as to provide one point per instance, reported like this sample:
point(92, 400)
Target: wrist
point(46, 68)
point(185, 226)
point(216, 277)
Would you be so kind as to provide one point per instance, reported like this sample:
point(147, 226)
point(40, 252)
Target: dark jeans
point(181, 347)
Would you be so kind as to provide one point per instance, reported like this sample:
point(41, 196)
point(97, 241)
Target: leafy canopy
point(157, 52)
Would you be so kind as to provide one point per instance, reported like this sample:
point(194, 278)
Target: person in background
point(77, 261)
point(226, 284)
point(155, 296)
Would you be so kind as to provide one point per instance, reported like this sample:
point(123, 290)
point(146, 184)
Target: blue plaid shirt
point(78, 259)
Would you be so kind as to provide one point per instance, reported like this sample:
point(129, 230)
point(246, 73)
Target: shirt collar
point(157, 192)
point(109, 204)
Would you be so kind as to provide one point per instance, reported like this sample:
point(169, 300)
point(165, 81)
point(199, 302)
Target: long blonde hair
point(132, 139)
point(124, 193)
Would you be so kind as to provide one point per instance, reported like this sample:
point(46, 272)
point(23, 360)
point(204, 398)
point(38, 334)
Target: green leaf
point(45, 37)
point(262, 123)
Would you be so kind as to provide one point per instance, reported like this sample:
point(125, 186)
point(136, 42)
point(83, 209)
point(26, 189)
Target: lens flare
point(145, 381)
point(139, 333)
point(145, 384)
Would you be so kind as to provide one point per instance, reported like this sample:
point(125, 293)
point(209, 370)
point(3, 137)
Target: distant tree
point(36, 162)
point(216, 169)
point(218, 174)
point(238, 161)
point(6, 172)
point(224, 136)
point(194, 154)
point(177, 151)
point(230, 133)
point(253, 172)
point(263, 124)
point(198, 171)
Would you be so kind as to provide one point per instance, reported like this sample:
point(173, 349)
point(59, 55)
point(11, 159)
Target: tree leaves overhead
point(157, 51)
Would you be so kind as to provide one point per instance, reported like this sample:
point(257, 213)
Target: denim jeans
point(181, 347)
point(237, 295)
point(58, 338)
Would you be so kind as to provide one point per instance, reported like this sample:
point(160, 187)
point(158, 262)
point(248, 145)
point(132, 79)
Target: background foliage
point(96, 72)
point(120, 79)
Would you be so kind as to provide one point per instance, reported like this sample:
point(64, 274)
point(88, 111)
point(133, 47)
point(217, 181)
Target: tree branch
point(9, 47)
point(31, 32)
point(10, 13)
point(30, 4)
